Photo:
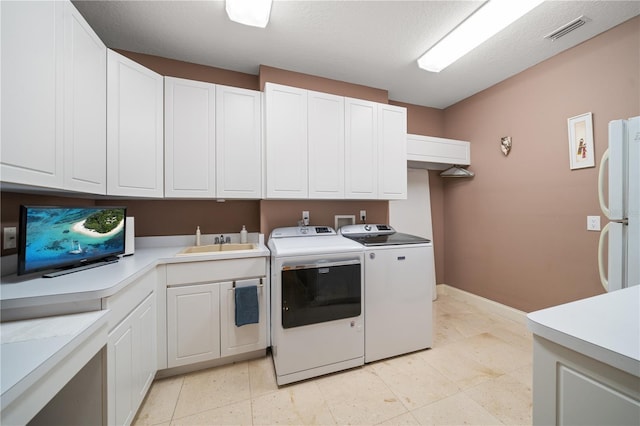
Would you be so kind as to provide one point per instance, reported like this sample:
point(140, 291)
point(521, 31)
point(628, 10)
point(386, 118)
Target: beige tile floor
point(478, 372)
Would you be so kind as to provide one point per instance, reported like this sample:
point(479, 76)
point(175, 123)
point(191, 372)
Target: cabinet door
point(250, 337)
point(361, 149)
point(144, 347)
point(120, 374)
point(326, 145)
point(286, 142)
point(85, 104)
point(193, 324)
point(31, 135)
point(392, 152)
point(134, 129)
point(190, 154)
point(238, 143)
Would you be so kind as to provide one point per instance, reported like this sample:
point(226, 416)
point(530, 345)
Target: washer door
point(320, 292)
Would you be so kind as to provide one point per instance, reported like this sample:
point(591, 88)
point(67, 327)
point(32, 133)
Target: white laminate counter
point(604, 327)
point(39, 356)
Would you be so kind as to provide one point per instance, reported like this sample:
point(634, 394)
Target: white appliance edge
point(623, 208)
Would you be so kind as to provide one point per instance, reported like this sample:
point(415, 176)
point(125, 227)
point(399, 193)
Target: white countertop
point(104, 281)
point(604, 327)
point(30, 349)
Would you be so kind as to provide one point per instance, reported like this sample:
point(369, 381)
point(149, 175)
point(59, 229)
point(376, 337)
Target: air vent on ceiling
point(567, 28)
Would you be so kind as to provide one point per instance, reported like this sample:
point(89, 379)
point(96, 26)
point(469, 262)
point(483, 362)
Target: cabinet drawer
point(216, 270)
point(125, 301)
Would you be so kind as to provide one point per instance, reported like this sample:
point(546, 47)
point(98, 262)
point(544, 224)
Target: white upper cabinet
point(326, 145)
point(286, 142)
point(32, 46)
point(189, 137)
point(361, 149)
point(392, 152)
point(323, 146)
point(428, 152)
point(134, 129)
point(85, 104)
point(238, 143)
point(53, 98)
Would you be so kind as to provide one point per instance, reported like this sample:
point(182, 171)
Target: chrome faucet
point(222, 240)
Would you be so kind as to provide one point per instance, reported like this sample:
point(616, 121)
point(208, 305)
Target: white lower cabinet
point(250, 337)
point(131, 362)
point(570, 388)
point(201, 310)
point(132, 352)
point(193, 324)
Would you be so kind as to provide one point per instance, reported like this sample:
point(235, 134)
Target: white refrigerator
point(620, 203)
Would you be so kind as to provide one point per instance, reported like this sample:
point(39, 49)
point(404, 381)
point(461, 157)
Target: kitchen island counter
point(586, 361)
point(604, 327)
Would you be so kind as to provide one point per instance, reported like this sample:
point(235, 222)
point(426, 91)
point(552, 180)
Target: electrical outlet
point(305, 217)
point(593, 223)
point(9, 241)
point(363, 215)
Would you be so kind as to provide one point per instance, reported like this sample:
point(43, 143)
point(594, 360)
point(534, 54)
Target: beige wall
point(516, 233)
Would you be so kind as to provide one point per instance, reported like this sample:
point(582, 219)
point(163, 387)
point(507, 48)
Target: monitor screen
point(58, 237)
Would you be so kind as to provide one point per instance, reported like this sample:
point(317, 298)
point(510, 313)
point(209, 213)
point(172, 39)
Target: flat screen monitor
point(64, 238)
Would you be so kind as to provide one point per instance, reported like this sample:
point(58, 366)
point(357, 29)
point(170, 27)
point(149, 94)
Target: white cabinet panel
point(238, 143)
point(193, 324)
point(53, 98)
point(134, 129)
point(250, 337)
point(131, 362)
point(286, 142)
point(392, 152)
point(190, 154)
point(120, 374)
point(361, 149)
point(145, 347)
point(85, 104)
point(429, 152)
point(583, 400)
point(32, 82)
point(326, 145)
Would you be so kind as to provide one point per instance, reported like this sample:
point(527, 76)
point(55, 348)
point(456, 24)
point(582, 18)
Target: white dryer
point(399, 276)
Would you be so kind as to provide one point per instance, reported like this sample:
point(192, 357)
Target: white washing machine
point(317, 302)
point(399, 276)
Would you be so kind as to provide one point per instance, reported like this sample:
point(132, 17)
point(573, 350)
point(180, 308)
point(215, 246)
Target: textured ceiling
point(373, 43)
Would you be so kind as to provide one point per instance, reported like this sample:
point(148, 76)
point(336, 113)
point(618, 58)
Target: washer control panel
point(366, 229)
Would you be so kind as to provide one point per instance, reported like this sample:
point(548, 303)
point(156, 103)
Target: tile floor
point(478, 372)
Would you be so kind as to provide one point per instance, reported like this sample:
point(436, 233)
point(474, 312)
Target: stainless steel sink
point(216, 248)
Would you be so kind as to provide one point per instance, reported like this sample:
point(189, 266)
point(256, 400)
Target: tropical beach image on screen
point(56, 236)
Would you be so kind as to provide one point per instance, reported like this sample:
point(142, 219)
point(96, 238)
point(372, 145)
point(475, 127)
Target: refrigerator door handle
point(603, 278)
point(603, 206)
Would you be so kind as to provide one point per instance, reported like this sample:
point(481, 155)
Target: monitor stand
point(103, 262)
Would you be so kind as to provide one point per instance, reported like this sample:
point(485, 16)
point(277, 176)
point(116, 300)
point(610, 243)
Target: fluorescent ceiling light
point(249, 12)
point(491, 18)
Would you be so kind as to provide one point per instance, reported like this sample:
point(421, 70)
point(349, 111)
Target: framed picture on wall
point(581, 141)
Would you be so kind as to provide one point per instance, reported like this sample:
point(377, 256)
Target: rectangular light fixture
point(488, 20)
point(249, 12)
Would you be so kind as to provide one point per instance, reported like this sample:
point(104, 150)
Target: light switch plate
point(593, 223)
point(9, 240)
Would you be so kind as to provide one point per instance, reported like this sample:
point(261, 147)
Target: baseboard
point(483, 303)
